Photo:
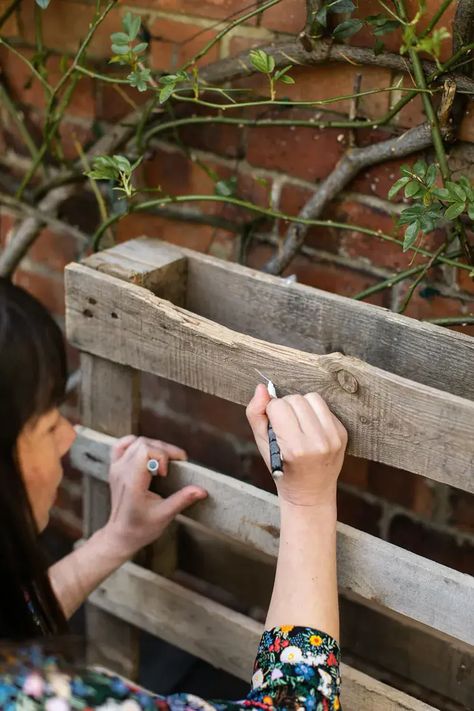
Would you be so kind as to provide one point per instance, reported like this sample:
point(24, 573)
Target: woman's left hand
point(139, 516)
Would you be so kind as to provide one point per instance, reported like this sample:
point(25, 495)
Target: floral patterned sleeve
point(297, 668)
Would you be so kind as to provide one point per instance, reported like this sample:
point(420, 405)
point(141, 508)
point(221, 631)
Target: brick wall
point(274, 165)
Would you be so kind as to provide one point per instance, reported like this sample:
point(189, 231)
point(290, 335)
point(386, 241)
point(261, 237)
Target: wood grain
point(389, 419)
point(204, 628)
point(310, 319)
point(368, 567)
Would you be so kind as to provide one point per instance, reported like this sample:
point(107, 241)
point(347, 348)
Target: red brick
point(329, 277)
point(439, 306)
point(241, 43)
point(465, 281)
point(379, 179)
point(462, 510)
point(430, 543)
point(308, 153)
point(222, 415)
point(401, 487)
point(67, 22)
point(222, 139)
point(54, 250)
point(50, 291)
point(176, 174)
point(218, 9)
point(111, 102)
point(6, 224)
point(288, 16)
point(355, 472)
point(184, 234)
point(73, 133)
point(293, 198)
point(10, 28)
point(175, 43)
point(376, 250)
point(355, 511)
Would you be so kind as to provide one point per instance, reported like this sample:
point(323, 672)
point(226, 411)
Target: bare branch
point(293, 52)
point(355, 160)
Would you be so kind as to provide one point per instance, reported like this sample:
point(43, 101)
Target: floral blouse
point(297, 669)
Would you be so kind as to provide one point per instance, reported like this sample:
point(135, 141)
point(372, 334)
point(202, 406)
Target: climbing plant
point(436, 201)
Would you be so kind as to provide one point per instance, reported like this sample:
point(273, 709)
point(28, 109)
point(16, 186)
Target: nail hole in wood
point(114, 315)
point(92, 301)
point(88, 313)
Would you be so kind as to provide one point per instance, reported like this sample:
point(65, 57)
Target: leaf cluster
point(129, 53)
point(115, 168)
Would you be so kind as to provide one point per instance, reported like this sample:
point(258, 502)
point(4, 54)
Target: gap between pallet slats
point(371, 568)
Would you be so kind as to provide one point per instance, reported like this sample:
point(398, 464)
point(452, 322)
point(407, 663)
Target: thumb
point(180, 500)
point(256, 412)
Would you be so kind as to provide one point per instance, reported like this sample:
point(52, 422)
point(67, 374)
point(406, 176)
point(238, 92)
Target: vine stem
point(424, 271)
point(267, 212)
point(451, 320)
point(431, 114)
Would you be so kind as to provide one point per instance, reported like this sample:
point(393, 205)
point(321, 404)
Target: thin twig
point(421, 276)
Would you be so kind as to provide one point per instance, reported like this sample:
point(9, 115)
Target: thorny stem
point(268, 212)
point(451, 320)
point(8, 12)
point(420, 277)
point(436, 18)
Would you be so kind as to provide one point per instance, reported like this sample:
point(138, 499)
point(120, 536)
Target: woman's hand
point(139, 516)
point(312, 442)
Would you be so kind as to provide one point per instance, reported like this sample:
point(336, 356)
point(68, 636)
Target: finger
point(162, 458)
point(179, 501)
point(171, 450)
point(305, 414)
point(121, 446)
point(283, 420)
point(325, 417)
point(256, 412)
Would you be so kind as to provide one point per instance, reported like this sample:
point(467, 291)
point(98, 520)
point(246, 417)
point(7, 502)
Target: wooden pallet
point(402, 389)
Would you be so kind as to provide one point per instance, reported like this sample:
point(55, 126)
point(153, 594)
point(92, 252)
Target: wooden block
point(396, 421)
point(368, 567)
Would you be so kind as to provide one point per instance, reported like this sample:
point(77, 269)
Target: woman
point(297, 662)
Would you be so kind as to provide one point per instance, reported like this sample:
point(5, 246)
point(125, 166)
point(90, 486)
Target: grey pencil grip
point(276, 463)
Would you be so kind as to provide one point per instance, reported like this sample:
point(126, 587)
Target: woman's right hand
point(312, 443)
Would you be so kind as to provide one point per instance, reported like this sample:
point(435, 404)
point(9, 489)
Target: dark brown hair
point(33, 375)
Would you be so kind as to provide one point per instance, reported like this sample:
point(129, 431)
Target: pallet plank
point(313, 320)
point(204, 628)
point(392, 420)
point(368, 567)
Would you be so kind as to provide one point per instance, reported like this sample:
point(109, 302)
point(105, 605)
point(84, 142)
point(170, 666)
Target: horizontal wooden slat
point(309, 319)
point(204, 628)
point(389, 419)
point(373, 569)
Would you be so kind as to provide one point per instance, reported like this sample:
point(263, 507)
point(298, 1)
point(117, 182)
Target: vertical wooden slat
point(110, 403)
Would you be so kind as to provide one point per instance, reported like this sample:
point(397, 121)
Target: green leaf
point(470, 211)
point(166, 92)
point(226, 188)
point(287, 80)
point(322, 16)
point(431, 174)
point(262, 61)
point(347, 29)
point(119, 38)
point(140, 79)
point(412, 188)
point(132, 24)
point(411, 233)
point(281, 72)
point(456, 191)
point(122, 163)
point(396, 187)
point(454, 210)
point(379, 46)
point(139, 48)
point(43, 3)
point(420, 168)
point(441, 193)
point(381, 24)
point(120, 49)
point(341, 6)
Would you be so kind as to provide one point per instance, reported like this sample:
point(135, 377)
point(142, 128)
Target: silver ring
point(153, 466)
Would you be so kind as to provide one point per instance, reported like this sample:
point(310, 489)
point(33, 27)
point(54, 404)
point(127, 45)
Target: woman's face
point(40, 446)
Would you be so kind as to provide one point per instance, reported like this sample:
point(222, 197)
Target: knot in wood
point(347, 381)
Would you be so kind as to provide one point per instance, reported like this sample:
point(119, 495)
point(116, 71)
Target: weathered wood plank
point(389, 419)
point(313, 320)
point(368, 567)
point(203, 627)
point(109, 403)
